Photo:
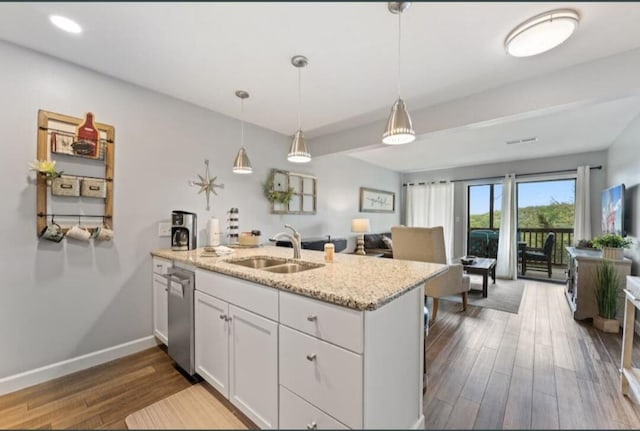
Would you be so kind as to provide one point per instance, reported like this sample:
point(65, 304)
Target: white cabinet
point(160, 304)
point(236, 349)
point(296, 413)
point(212, 341)
point(253, 366)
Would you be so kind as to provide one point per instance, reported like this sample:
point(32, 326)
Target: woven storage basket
point(93, 188)
point(65, 186)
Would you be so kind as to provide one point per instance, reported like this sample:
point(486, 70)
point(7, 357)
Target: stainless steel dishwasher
point(181, 338)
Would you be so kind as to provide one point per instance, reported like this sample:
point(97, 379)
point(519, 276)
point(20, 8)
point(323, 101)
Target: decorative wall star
point(207, 184)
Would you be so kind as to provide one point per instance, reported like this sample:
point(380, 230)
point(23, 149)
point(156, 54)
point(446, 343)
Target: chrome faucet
point(294, 238)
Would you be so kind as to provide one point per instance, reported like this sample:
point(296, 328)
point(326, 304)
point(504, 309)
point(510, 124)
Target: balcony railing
point(534, 238)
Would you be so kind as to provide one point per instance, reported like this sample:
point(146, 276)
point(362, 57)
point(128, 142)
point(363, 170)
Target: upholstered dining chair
point(427, 245)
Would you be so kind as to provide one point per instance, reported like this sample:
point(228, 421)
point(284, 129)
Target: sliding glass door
point(545, 227)
point(483, 219)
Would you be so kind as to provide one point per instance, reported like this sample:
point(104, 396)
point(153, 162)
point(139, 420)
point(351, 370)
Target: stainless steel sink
point(274, 264)
point(258, 262)
point(289, 268)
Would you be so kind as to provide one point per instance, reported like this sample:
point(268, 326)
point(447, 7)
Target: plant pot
point(612, 253)
point(606, 325)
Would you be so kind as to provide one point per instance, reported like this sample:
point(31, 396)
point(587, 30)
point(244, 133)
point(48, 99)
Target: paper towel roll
point(213, 227)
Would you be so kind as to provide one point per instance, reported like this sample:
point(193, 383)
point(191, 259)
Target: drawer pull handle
point(311, 357)
point(158, 265)
point(223, 317)
point(312, 318)
point(312, 426)
point(166, 289)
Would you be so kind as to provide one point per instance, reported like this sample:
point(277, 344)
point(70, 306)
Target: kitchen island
point(336, 346)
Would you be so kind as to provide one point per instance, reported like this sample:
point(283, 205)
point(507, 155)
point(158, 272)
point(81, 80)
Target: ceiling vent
point(523, 140)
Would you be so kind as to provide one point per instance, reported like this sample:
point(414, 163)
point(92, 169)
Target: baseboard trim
point(68, 366)
point(419, 425)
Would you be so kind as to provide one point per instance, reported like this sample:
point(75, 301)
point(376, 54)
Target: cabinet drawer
point(296, 413)
point(254, 297)
point(330, 322)
point(327, 376)
point(160, 265)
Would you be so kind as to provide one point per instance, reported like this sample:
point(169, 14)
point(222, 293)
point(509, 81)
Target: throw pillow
point(387, 241)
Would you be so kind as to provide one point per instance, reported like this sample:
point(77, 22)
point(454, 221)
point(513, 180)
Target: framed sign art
point(377, 201)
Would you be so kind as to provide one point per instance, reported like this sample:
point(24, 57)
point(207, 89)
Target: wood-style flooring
point(487, 369)
point(539, 369)
point(99, 397)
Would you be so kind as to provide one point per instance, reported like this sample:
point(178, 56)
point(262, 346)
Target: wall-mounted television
point(613, 210)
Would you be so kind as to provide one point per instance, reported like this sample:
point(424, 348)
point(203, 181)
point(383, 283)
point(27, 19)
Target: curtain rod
point(563, 171)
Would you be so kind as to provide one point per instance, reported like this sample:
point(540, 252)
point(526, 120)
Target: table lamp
point(360, 226)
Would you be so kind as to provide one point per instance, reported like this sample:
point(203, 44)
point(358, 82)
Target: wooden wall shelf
point(65, 125)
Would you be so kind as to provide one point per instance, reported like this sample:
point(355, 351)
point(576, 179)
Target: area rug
point(505, 295)
point(193, 408)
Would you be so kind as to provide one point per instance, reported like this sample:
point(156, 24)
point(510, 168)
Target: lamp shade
point(399, 129)
point(360, 225)
point(299, 153)
point(242, 164)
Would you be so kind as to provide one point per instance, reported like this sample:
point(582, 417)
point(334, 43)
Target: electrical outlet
point(164, 229)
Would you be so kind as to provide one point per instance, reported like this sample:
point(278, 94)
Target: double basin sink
point(274, 264)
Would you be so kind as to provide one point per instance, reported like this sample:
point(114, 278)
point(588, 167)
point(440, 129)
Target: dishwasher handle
point(172, 278)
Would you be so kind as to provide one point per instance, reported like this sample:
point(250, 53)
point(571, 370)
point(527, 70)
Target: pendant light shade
point(299, 152)
point(399, 129)
point(242, 164)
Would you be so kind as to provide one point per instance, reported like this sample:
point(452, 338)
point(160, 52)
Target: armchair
point(539, 258)
point(427, 245)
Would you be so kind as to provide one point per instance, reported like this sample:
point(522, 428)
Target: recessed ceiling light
point(66, 24)
point(541, 33)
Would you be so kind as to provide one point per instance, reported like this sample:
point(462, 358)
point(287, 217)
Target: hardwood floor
point(539, 369)
point(99, 397)
point(487, 369)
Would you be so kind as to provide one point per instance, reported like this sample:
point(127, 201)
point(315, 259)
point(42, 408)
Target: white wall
point(519, 167)
point(624, 167)
point(63, 300)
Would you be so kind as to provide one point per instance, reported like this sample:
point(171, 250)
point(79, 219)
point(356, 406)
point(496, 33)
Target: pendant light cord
point(399, 53)
point(299, 98)
point(241, 123)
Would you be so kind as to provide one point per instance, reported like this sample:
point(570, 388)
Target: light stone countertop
point(357, 282)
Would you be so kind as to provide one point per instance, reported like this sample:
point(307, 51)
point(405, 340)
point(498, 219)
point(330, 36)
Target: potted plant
point(606, 297)
point(612, 245)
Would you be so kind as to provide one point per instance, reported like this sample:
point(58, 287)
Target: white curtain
point(582, 220)
point(507, 264)
point(430, 205)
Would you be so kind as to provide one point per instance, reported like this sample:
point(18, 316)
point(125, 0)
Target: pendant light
point(241, 164)
point(399, 129)
point(299, 153)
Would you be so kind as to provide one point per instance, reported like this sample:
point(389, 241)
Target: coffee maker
point(183, 230)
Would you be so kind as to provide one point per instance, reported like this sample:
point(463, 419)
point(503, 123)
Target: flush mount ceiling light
point(399, 129)
point(299, 153)
point(66, 24)
point(541, 33)
point(242, 164)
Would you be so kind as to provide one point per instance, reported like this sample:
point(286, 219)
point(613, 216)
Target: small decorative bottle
point(233, 226)
point(329, 249)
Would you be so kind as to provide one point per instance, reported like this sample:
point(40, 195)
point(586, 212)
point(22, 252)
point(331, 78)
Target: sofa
point(316, 243)
point(373, 243)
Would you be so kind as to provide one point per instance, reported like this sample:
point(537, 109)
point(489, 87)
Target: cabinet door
point(212, 341)
point(160, 309)
point(253, 370)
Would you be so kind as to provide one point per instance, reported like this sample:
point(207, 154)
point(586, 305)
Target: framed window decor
point(377, 201)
